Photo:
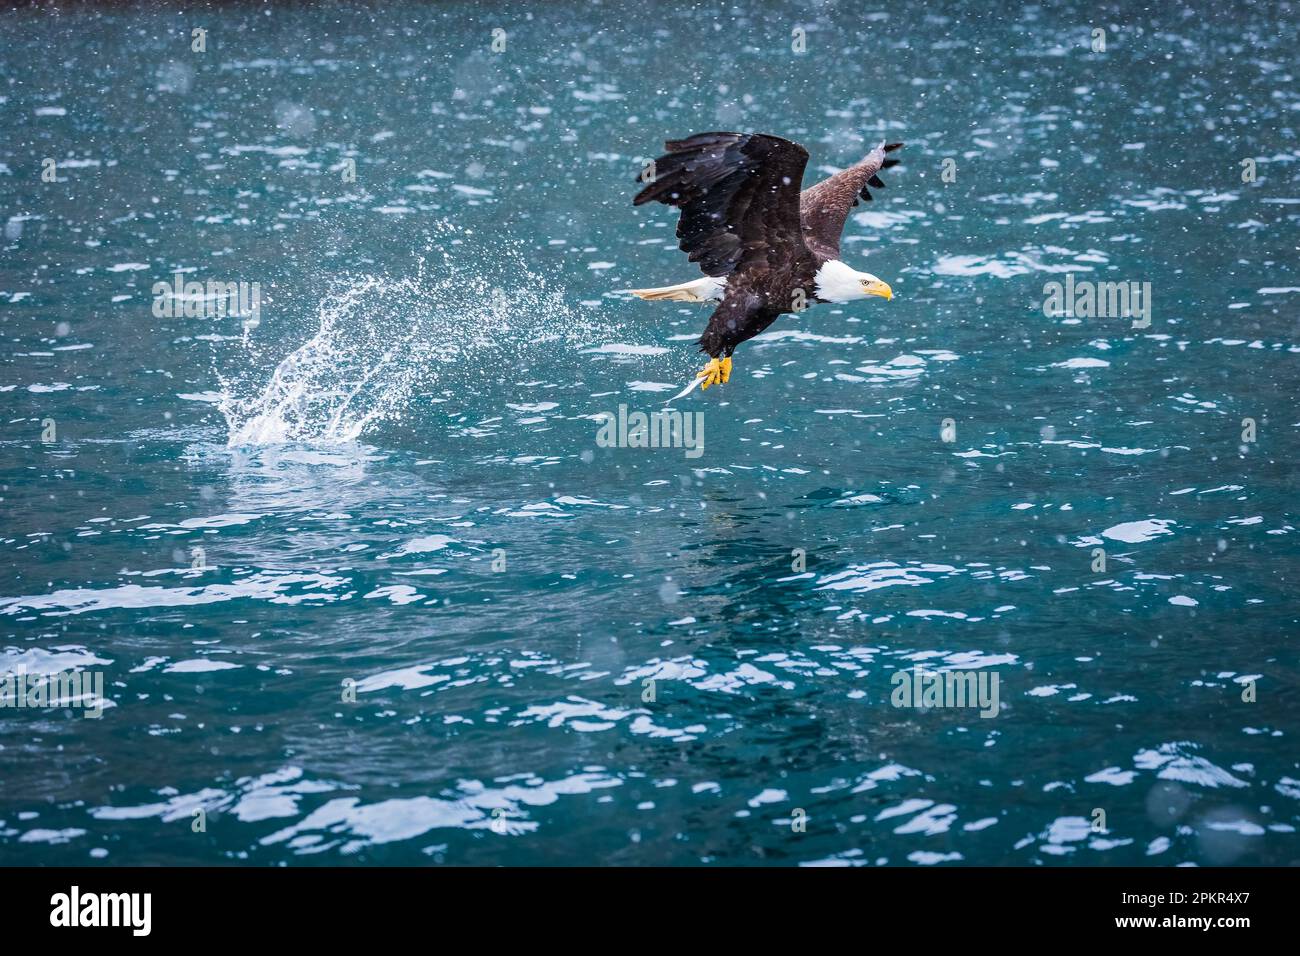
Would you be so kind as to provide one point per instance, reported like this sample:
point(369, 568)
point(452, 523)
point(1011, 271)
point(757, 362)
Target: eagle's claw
point(718, 371)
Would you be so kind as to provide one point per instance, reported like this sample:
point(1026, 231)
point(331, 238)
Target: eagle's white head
point(837, 282)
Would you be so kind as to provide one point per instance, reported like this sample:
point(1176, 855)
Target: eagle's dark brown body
point(755, 299)
point(743, 218)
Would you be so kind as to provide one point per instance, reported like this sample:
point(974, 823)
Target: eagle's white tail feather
point(700, 290)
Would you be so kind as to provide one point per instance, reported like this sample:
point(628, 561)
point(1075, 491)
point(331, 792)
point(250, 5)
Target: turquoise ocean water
point(362, 586)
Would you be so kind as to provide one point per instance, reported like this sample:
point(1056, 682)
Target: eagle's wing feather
point(824, 208)
point(738, 193)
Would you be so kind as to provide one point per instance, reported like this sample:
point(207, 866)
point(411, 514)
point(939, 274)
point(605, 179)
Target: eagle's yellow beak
point(878, 287)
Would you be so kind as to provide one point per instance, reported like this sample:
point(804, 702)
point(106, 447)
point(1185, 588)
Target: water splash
point(380, 341)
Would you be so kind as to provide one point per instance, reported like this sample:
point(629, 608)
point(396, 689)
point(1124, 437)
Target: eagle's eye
point(874, 286)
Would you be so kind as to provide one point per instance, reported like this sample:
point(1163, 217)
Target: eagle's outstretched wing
point(739, 197)
point(825, 207)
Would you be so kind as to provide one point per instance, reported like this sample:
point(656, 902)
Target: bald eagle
point(765, 247)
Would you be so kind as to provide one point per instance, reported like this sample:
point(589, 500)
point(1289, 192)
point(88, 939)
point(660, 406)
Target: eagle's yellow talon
point(718, 370)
